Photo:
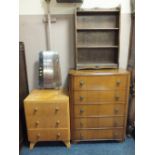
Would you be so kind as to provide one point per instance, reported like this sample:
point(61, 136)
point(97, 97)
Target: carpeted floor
point(85, 148)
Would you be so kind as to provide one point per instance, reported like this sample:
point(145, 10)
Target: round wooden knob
point(116, 110)
point(81, 98)
point(58, 122)
point(57, 109)
point(117, 97)
point(81, 111)
point(116, 134)
point(35, 110)
point(81, 83)
point(118, 82)
point(38, 136)
point(37, 123)
point(58, 135)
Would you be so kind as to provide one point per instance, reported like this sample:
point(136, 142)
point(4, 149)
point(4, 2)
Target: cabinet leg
point(32, 144)
point(67, 143)
point(121, 141)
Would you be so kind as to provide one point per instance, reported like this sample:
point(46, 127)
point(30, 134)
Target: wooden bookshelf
point(97, 38)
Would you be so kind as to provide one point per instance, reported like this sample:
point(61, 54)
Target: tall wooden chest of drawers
point(47, 116)
point(98, 104)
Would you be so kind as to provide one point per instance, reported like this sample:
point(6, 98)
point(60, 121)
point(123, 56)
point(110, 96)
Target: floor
point(85, 148)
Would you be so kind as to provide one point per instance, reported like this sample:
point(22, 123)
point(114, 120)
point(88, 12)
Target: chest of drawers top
point(98, 72)
point(99, 79)
point(47, 96)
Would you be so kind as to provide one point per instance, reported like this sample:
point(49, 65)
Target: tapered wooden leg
point(121, 141)
point(67, 143)
point(32, 144)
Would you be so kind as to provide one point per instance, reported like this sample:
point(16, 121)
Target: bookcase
point(97, 38)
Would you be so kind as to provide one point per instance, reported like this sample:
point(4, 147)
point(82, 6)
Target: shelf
point(83, 12)
point(96, 65)
point(97, 10)
point(97, 46)
point(97, 29)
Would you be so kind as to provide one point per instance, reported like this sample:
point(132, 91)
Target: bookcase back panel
point(97, 55)
point(97, 38)
point(98, 21)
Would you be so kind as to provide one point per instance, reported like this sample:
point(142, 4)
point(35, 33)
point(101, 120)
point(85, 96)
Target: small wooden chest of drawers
point(98, 104)
point(47, 116)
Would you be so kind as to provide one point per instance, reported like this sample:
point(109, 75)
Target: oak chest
point(98, 104)
point(47, 116)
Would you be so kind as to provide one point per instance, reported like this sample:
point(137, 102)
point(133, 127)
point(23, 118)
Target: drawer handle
point(81, 124)
point(37, 123)
point(117, 97)
point(81, 83)
point(57, 109)
point(118, 82)
point(57, 122)
point(58, 135)
point(35, 110)
point(115, 133)
point(38, 136)
point(81, 98)
point(116, 110)
point(81, 111)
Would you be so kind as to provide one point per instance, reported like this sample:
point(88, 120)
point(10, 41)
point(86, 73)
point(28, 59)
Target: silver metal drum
point(49, 70)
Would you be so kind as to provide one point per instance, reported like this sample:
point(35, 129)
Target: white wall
point(32, 33)
point(35, 7)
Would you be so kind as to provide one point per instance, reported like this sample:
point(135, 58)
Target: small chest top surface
point(42, 95)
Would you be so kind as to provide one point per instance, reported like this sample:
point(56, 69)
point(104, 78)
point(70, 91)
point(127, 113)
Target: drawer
point(52, 122)
point(46, 109)
point(98, 134)
point(99, 96)
point(99, 122)
point(100, 82)
point(98, 110)
point(48, 134)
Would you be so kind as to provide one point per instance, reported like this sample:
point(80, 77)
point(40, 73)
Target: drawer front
point(46, 109)
point(50, 122)
point(48, 134)
point(99, 96)
point(100, 122)
point(98, 134)
point(99, 110)
point(100, 82)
